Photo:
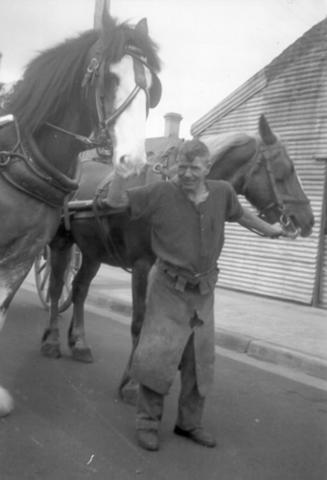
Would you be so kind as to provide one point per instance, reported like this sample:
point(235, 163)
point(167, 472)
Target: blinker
point(155, 91)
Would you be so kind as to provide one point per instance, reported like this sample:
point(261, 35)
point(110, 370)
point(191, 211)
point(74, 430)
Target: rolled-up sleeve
point(142, 201)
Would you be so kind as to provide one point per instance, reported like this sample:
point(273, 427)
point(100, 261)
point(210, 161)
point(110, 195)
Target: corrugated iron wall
point(323, 284)
point(292, 102)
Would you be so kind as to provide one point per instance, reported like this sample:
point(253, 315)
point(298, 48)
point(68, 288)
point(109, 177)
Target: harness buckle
point(91, 70)
point(93, 65)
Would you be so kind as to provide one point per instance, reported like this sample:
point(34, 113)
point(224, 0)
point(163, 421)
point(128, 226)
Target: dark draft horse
point(90, 91)
point(258, 167)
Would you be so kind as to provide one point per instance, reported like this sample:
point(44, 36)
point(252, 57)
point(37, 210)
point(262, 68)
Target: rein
point(81, 138)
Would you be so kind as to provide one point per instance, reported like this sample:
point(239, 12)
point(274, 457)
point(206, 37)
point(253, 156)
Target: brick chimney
point(172, 124)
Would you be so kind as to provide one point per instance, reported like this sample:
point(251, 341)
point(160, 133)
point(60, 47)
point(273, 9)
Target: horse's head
point(99, 84)
point(122, 84)
point(273, 186)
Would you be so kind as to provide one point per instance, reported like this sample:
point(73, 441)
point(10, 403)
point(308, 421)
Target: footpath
point(275, 331)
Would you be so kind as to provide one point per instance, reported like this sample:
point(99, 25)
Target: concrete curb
point(272, 353)
point(314, 366)
point(240, 343)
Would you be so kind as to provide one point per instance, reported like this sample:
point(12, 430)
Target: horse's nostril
point(122, 159)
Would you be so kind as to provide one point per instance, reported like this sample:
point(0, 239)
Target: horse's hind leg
point(59, 261)
point(76, 334)
point(128, 388)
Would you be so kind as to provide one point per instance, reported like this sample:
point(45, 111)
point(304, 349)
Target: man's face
point(192, 173)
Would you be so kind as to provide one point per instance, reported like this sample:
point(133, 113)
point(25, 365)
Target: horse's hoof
point(50, 346)
point(82, 354)
point(6, 402)
point(129, 393)
point(51, 350)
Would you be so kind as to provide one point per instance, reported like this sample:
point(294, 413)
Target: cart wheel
point(42, 269)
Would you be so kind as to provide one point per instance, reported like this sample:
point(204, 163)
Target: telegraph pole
point(100, 5)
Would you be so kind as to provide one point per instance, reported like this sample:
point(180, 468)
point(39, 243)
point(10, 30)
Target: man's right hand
point(127, 169)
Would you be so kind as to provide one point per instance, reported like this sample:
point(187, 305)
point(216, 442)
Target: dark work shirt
point(184, 234)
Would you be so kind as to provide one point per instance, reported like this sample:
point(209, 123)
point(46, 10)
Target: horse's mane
point(53, 79)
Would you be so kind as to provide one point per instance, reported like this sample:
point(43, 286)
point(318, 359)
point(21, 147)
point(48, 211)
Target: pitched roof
point(313, 43)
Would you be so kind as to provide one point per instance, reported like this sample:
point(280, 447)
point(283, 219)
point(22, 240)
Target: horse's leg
point(128, 388)
point(59, 260)
point(17, 256)
point(76, 334)
point(22, 237)
point(11, 278)
point(12, 275)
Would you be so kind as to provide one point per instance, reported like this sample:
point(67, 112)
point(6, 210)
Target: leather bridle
point(95, 77)
point(280, 202)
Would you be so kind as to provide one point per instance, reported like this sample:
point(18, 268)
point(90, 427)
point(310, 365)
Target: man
point(187, 217)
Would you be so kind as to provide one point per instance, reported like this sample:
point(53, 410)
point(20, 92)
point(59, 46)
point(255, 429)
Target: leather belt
point(185, 280)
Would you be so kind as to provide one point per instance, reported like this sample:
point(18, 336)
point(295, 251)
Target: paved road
point(69, 425)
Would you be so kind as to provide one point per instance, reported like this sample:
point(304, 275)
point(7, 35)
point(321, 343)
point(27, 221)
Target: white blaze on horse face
point(129, 129)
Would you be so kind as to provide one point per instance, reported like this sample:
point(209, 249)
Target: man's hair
point(194, 148)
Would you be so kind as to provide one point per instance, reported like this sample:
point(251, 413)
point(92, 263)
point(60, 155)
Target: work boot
point(148, 439)
point(198, 435)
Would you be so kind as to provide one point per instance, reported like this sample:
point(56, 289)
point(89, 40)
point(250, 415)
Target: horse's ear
point(101, 15)
point(142, 27)
point(265, 131)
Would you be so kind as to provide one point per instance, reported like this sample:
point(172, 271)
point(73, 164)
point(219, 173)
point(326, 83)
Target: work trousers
point(190, 404)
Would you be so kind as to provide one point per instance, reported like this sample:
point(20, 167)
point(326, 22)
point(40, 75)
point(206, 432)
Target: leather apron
point(171, 317)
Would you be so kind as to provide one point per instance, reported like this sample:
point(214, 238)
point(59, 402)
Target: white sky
point(208, 47)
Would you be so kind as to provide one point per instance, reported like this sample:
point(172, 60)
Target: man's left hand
point(277, 231)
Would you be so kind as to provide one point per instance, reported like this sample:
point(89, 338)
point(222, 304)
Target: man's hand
point(127, 169)
point(277, 231)
point(256, 224)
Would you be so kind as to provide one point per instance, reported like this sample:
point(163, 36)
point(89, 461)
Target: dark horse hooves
point(50, 348)
point(82, 354)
